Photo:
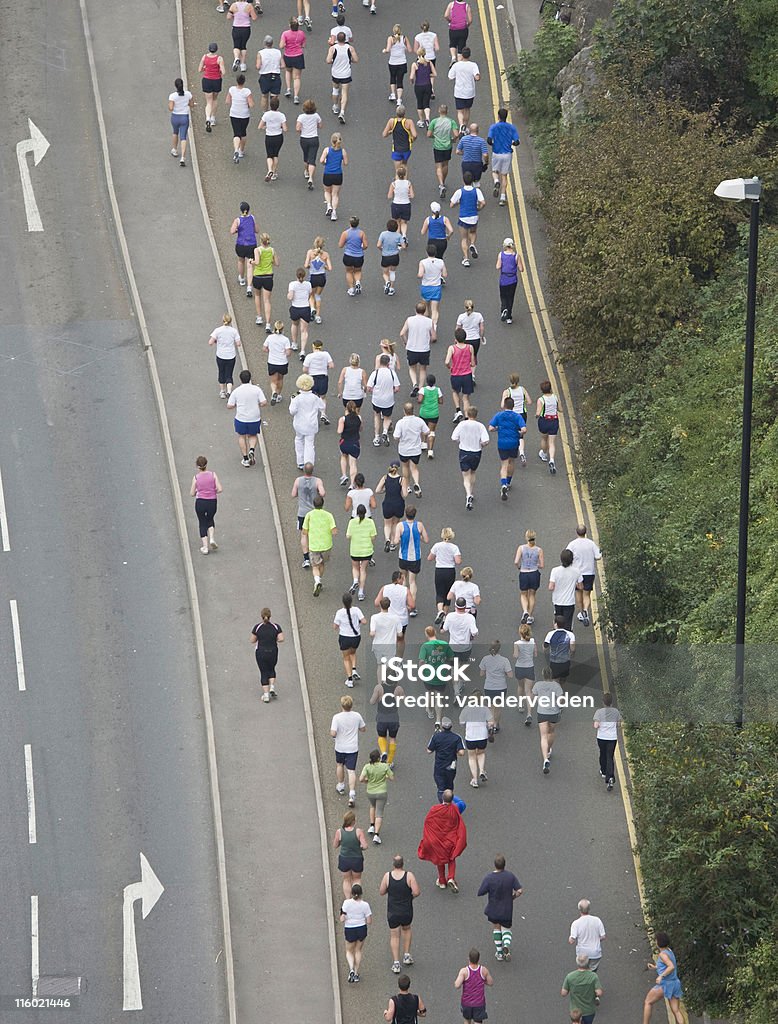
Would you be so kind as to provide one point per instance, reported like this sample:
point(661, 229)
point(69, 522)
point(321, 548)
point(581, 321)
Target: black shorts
point(457, 37)
point(349, 448)
point(442, 156)
point(384, 729)
point(410, 458)
point(270, 84)
point(353, 261)
point(391, 261)
point(440, 244)
point(401, 211)
point(588, 583)
point(321, 383)
point(383, 412)
point(414, 566)
point(310, 148)
point(297, 62)
point(355, 934)
point(418, 358)
point(548, 425)
point(300, 313)
point(263, 283)
point(400, 920)
point(245, 251)
point(318, 280)
point(462, 383)
point(475, 1013)
point(469, 461)
point(476, 168)
point(240, 36)
point(423, 96)
point(212, 85)
point(328, 180)
point(508, 453)
point(280, 368)
point(349, 643)
point(355, 864)
point(397, 73)
point(341, 81)
point(273, 144)
point(464, 102)
point(357, 401)
point(239, 127)
point(476, 744)
point(561, 669)
point(529, 580)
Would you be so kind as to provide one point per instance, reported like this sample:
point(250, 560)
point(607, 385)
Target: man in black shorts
point(502, 887)
point(401, 889)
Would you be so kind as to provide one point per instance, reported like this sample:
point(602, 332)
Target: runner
point(377, 774)
point(459, 18)
point(244, 227)
point(403, 132)
point(241, 13)
point(470, 200)
point(350, 841)
point(409, 535)
point(548, 691)
point(353, 242)
point(444, 837)
point(335, 158)
point(304, 14)
point(269, 67)
point(473, 324)
point(585, 556)
point(348, 623)
point(345, 728)
point(564, 581)
point(273, 121)
point(496, 670)
point(446, 556)
point(525, 651)
point(292, 43)
point(511, 427)
point(432, 274)
point(390, 242)
point(462, 630)
point(262, 264)
point(305, 409)
point(387, 347)
point(356, 915)
point(438, 230)
point(529, 560)
point(305, 489)
point(319, 528)
point(607, 721)
point(438, 657)
point(180, 104)
point(559, 644)
point(226, 339)
point(460, 358)
point(205, 487)
point(668, 984)
point(299, 295)
point(442, 130)
point(503, 888)
point(400, 604)
point(401, 889)
point(211, 68)
point(583, 987)
point(423, 75)
point(360, 532)
point(426, 43)
point(418, 333)
point(464, 73)
point(397, 46)
point(473, 980)
point(318, 263)
point(479, 725)
point(266, 636)
point(472, 437)
point(340, 26)
point(409, 433)
point(341, 57)
point(395, 490)
point(587, 933)
point(358, 495)
point(510, 265)
point(464, 587)
point(382, 385)
point(352, 383)
point(247, 400)
point(386, 697)
point(430, 399)
point(307, 127)
point(318, 363)
point(349, 431)
point(278, 348)
point(474, 152)
point(521, 400)
point(385, 632)
point(400, 194)
point(547, 413)
point(503, 138)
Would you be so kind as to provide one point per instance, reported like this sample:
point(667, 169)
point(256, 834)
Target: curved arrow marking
point(38, 145)
point(147, 890)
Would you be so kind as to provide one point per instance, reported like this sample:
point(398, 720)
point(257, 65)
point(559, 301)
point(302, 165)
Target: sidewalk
point(278, 890)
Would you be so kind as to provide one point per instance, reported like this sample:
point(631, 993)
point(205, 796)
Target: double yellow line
point(544, 332)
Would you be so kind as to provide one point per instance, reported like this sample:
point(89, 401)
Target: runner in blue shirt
point(502, 138)
point(511, 427)
point(474, 153)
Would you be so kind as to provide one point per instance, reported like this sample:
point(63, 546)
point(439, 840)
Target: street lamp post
point(739, 189)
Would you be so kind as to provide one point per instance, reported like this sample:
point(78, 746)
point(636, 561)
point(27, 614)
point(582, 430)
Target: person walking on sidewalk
point(511, 427)
point(510, 265)
point(353, 242)
point(356, 915)
point(319, 529)
point(305, 489)
point(348, 623)
point(211, 68)
point(410, 432)
point(226, 340)
point(473, 980)
point(607, 721)
point(503, 888)
point(459, 17)
point(444, 837)
point(305, 409)
point(530, 561)
point(442, 130)
point(180, 104)
point(464, 73)
point(205, 487)
point(377, 774)
point(446, 556)
point(564, 581)
point(401, 889)
point(586, 934)
point(262, 264)
point(472, 437)
point(548, 691)
point(547, 413)
point(470, 200)
point(582, 988)
point(503, 138)
point(247, 400)
point(447, 746)
point(267, 635)
point(404, 1007)
point(244, 227)
point(345, 728)
point(585, 555)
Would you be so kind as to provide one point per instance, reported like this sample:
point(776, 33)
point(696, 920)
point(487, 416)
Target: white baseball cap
point(435, 207)
point(508, 242)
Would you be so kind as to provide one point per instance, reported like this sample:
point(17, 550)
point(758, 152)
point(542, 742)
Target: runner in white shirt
point(446, 557)
point(298, 295)
point(400, 603)
point(563, 582)
point(239, 103)
point(433, 275)
point(472, 438)
point(345, 729)
point(386, 631)
point(360, 495)
point(464, 587)
point(382, 385)
point(586, 934)
point(305, 409)
point(464, 73)
point(226, 339)
point(348, 623)
point(607, 721)
point(418, 332)
point(269, 68)
point(409, 433)
point(273, 122)
point(247, 400)
point(278, 347)
point(462, 630)
point(585, 554)
point(319, 363)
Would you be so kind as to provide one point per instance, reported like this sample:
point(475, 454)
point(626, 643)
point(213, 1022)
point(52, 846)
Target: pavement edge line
point(303, 678)
point(180, 523)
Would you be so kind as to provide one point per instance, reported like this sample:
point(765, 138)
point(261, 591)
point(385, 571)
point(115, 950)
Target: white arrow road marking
point(32, 828)
point(18, 646)
point(38, 145)
point(148, 890)
point(35, 957)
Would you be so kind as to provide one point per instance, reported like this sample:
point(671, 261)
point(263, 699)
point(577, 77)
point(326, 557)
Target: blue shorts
point(508, 453)
point(462, 383)
point(355, 934)
point(529, 580)
point(464, 104)
point(547, 425)
point(270, 84)
point(349, 761)
point(469, 227)
point(401, 157)
point(431, 292)
point(469, 461)
point(588, 582)
point(249, 429)
point(180, 125)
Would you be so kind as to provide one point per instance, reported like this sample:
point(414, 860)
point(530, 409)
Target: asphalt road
point(111, 710)
point(562, 835)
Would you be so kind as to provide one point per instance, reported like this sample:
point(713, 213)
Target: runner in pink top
point(242, 14)
point(293, 43)
point(212, 69)
point(473, 980)
point(459, 18)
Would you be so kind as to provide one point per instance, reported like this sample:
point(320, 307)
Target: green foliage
point(533, 75)
point(758, 21)
point(705, 802)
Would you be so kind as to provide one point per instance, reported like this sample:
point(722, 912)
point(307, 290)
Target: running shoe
point(496, 189)
point(350, 292)
point(358, 287)
point(258, 8)
point(530, 620)
point(344, 481)
point(274, 176)
point(273, 693)
point(586, 620)
point(302, 357)
point(310, 185)
point(355, 675)
point(430, 454)
point(372, 9)
point(182, 162)
point(351, 975)
point(442, 191)
point(420, 124)
point(317, 319)
point(465, 262)
point(317, 588)
point(377, 840)
point(503, 201)
point(506, 955)
point(268, 329)
point(385, 439)
point(174, 152)
point(504, 492)
point(252, 457)
point(392, 547)
point(306, 562)
point(580, 616)
point(458, 415)
point(288, 93)
point(439, 618)
point(407, 959)
point(474, 783)
point(294, 346)
point(352, 800)
point(503, 315)
point(221, 9)
point(249, 293)
point(469, 503)
point(387, 286)
point(340, 788)
point(546, 766)
point(414, 390)
point(524, 618)
point(245, 461)
point(208, 126)
point(396, 967)
point(356, 979)
point(498, 955)
point(296, 101)
point(341, 7)
point(335, 107)
point(265, 698)
point(243, 67)
point(528, 720)
point(361, 596)
point(551, 466)
point(473, 252)
point(308, 24)
point(342, 117)
point(439, 884)
point(354, 587)
point(483, 777)
point(609, 785)
point(417, 490)
point(328, 211)
point(235, 64)
point(236, 157)
point(542, 456)
point(509, 319)
point(386, 545)
point(349, 683)
point(413, 612)
point(392, 98)
point(268, 176)
point(241, 281)
point(377, 444)
point(391, 291)
point(453, 885)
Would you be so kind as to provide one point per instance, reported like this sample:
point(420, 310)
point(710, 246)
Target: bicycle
point(563, 12)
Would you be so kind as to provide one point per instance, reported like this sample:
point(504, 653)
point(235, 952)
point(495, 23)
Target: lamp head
point(738, 189)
